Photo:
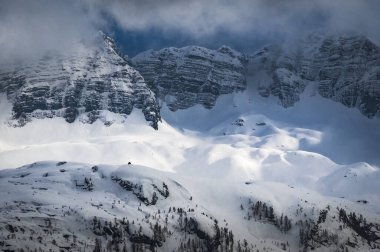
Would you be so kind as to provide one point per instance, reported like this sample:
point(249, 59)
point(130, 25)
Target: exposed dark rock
point(83, 84)
point(184, 77)
point(138, 190)
point(344, 69)
point(86, 85)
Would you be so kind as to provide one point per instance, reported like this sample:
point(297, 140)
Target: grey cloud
point(30, 27)
point(205, 18)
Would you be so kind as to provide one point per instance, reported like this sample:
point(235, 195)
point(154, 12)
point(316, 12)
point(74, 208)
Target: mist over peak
point(29, 28)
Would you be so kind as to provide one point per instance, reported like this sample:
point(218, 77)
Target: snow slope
point(246, 149)
point(54, 198)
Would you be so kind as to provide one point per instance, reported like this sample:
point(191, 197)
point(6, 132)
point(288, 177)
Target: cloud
point(243, 24)
point(30, 27)
point(205, 18)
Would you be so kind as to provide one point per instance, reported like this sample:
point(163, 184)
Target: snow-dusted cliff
point(96, 79)
point(184, 77)
point(83, 84)
point(344, 69)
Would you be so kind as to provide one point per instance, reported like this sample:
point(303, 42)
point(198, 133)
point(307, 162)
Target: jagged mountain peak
point(231, 52)
point(98, 78)
point(82, 85)
point(111, 45)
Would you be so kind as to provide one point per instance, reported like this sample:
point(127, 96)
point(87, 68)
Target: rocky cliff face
point(97, 79)
point(184, 77)
point(345, 69)
point(277, 73)
point(349, 72)
point(84, 84)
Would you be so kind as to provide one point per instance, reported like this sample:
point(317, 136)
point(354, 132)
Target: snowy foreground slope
point(73, 206)
point(275, 178)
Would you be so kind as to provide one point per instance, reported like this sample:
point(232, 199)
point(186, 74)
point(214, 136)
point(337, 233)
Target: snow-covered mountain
point(346, 70)
point(220, 171)
point(225, 171)
point(98, 78)
point(81, 84)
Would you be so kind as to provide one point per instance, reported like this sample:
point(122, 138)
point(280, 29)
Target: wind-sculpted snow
point(82, 84)
point(184, 77)
point(344, 69)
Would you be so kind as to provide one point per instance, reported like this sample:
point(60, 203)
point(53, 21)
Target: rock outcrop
point(83, 84)
point(344, 69)
point(349, 72)
point(184, 77)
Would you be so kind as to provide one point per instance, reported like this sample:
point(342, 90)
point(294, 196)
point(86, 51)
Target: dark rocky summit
point(85, 85)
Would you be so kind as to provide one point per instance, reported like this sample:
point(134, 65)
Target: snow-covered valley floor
point(307, 163)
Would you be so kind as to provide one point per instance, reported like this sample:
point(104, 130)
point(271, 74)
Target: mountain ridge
point(346, 70)
point(83, 87)
point(274, 70)
point(183, 77)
